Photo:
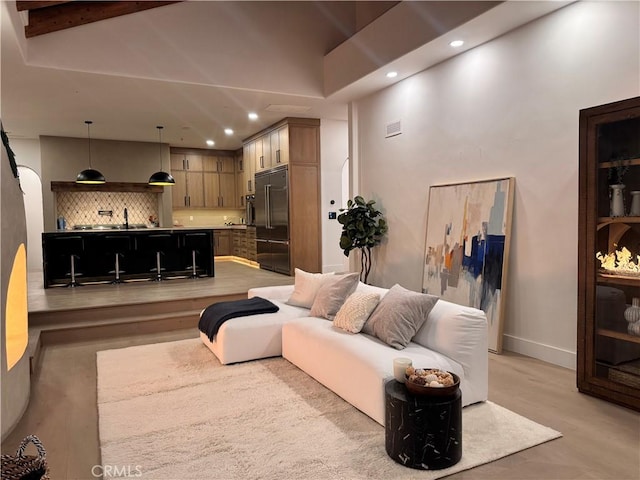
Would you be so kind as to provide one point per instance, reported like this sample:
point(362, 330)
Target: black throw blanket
point(216, 314)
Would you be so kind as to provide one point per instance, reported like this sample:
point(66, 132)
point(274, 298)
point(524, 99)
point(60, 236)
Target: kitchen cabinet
point(244, 243)
point(298, 140)
point(263, 153)
point(608, 343)
point(248, 168)
point(240, 180)
point(252, 253)
point(222, 242)
point(204, 178)
point(240, 243)
point(219, 180)
point(279, 140)
point(188, 191)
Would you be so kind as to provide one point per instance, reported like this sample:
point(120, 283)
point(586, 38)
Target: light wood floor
point(601, 440)
point(230, 277)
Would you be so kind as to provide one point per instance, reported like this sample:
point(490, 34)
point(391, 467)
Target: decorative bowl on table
point(431, 381)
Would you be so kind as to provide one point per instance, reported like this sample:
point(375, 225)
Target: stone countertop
point(151, 229)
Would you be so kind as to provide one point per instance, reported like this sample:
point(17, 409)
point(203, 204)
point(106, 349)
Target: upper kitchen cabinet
point(204, 178)
point(280, 146)
point(241, 179)
point(186, 168)
point(608, 343)
point(219, 181)
point(248, 168)
point(263, 153)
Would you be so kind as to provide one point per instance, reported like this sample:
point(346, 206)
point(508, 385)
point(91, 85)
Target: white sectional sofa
point(356, 366)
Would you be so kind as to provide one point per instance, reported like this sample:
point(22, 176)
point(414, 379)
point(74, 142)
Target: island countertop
point(117, 228)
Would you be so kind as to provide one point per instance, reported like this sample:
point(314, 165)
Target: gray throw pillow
point(399, 315)
point(332, 294)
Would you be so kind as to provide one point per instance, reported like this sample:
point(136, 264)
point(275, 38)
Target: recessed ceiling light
point(211, 143)
point(392, 74)
point(457, 43)
point(228, 131)
point(253, 116)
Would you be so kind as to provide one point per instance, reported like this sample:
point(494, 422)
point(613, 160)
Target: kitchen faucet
point(126, 218)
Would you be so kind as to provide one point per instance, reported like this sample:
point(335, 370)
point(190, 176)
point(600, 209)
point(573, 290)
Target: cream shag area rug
point(171, 411)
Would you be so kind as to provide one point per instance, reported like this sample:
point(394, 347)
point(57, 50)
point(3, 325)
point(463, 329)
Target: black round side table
point(422, 432)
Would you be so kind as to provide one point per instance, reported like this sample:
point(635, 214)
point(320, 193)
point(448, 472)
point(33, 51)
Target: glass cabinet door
point(609, 363)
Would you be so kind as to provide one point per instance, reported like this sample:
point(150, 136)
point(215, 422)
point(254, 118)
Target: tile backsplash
point(82, 208)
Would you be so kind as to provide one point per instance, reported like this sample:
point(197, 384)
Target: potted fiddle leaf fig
point(363, 228)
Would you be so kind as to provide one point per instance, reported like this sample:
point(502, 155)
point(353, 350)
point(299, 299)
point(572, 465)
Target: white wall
point(27, 153)
point(334, 150)
point(506, 108)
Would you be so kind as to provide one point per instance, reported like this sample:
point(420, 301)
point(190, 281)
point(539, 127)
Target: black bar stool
point(117, 246)
point(196, 242)
point(73, 248)
point(160, 243)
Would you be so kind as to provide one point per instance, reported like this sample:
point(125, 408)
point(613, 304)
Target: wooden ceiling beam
point(35, 4)
point(72, 14)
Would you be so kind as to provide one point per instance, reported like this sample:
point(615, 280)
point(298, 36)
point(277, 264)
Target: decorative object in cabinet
point(609, 253)
point(617, 200)
point(632, 315)
point(634, 210)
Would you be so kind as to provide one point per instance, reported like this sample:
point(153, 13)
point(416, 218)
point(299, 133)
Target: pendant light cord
point(89, 122)
point(160, 127)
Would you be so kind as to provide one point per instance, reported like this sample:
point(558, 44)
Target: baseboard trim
point(547, 353)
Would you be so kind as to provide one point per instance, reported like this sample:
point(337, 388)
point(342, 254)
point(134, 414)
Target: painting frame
point(467, 246)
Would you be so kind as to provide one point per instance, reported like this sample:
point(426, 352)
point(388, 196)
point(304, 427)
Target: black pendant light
point(90, 176)
point(161, 178)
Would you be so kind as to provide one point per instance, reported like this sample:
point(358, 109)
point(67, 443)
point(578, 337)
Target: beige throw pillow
point(399, 315)
point(332, 294)
point(306, 287)
point(355, 311)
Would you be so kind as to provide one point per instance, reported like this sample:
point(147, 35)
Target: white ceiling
point(199, 67)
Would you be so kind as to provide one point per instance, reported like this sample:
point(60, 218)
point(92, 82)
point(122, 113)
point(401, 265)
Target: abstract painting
point(467, 247)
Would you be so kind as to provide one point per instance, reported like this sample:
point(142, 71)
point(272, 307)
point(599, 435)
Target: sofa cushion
point(355, 367)
point(399, 315)
point(306, 287)
point(332, 294)
point(459, 332)
point(355, 311)
point(253, 337)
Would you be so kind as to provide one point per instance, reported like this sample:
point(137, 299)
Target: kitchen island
point(117, 254)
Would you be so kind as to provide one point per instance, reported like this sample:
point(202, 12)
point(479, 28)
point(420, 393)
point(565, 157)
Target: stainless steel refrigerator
point(272, 219)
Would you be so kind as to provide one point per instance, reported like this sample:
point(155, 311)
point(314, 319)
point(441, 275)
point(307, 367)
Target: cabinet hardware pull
point(183, 164)
point(278, 156)
point(261, 161)
point(185, 201)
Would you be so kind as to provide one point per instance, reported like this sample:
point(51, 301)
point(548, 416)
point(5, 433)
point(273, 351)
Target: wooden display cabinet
point(608, 350)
